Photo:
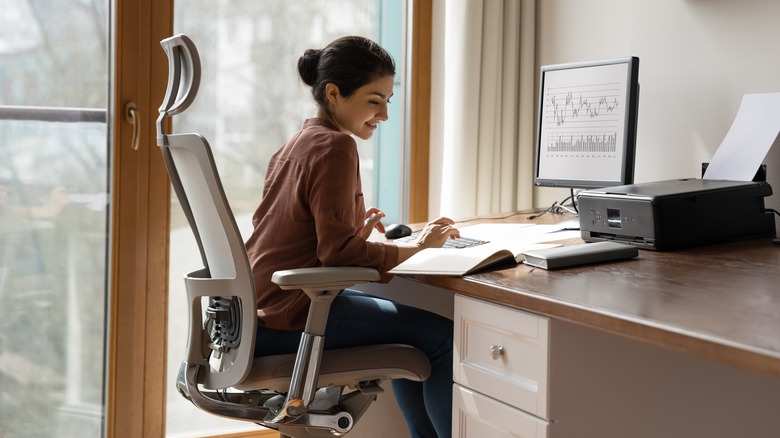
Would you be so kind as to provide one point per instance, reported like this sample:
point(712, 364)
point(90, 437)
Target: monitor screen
point(587, 124)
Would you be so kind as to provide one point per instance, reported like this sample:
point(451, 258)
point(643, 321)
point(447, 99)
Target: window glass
point(250, 102)
point(53, 217)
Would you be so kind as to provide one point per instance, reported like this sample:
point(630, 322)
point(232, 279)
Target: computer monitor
point(586, 133)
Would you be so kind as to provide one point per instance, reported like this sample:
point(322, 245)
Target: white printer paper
point(745, 146)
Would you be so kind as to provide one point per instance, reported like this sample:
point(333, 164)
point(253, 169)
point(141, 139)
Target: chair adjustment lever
point(371, 387)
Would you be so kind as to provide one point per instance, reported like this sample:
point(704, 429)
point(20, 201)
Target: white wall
point(697, 59)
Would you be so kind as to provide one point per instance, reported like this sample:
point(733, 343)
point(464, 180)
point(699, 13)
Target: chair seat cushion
point(342, 367)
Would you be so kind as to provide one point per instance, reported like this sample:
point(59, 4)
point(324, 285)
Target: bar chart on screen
point(605, 142)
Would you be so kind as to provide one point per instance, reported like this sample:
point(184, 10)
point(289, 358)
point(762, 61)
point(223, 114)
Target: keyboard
point(458, 242)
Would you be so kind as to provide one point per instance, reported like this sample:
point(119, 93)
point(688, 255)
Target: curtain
point(482, 107)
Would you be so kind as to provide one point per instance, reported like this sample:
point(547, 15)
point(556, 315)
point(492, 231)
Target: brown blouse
point(311, 212)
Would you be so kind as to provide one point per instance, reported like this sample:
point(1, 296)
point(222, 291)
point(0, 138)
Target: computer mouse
point(394, 231)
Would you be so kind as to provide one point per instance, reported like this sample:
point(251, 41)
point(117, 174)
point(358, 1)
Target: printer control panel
point(626, 220)
point(615, 218)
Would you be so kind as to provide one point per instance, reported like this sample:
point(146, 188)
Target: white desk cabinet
point(501, 368)
point(556, 379)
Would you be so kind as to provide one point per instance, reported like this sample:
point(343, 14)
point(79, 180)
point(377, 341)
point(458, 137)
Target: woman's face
point(360, 113)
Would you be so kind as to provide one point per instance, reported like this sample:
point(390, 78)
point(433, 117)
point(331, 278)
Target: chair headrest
point(183, 78)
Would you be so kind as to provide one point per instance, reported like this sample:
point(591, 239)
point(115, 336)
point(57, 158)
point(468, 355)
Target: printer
point(678, 213)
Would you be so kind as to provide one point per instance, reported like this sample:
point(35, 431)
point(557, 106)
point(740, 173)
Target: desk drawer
point(477, 416)
point(502, 353)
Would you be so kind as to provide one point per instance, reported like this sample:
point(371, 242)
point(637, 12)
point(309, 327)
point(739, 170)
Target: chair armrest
point(324, 278)
point(321, 284)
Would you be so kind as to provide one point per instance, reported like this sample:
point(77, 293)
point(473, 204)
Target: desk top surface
point(718, 301)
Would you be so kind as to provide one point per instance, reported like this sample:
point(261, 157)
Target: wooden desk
point(683, 343)
point(718, 301)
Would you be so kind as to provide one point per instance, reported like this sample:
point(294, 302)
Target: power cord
point(560, 207)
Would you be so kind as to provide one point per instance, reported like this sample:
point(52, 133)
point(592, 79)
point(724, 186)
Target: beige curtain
point(482, 107)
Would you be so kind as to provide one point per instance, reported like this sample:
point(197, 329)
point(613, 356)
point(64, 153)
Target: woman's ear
point(332, 93)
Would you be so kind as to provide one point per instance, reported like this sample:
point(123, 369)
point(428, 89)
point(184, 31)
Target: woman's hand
point(373, 220)
point(433, 235)
point(437, 232)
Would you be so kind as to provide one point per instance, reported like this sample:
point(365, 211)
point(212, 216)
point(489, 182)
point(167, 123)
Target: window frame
point(139, 224)
point(420, 108)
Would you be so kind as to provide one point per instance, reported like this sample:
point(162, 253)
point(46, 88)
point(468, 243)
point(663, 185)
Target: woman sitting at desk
point(313, 214)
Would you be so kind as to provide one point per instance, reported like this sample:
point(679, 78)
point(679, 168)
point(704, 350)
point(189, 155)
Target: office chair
point(312, 393)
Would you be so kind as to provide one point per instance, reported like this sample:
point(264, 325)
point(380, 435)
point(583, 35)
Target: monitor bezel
point(630, 126)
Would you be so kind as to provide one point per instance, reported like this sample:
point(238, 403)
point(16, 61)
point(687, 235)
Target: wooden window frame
point(419, 129)
point(136, 387)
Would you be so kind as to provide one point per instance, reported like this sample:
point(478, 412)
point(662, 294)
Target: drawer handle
point(496, 352)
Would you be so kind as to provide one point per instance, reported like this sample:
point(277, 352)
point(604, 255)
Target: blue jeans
point(357, 319)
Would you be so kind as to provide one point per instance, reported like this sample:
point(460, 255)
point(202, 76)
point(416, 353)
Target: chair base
point(331, 413)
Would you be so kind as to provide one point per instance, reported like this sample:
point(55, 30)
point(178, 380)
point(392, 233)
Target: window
point(53, 217)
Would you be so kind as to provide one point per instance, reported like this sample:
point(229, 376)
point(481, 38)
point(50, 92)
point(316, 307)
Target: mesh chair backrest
point(223, 342)
point(217, 232)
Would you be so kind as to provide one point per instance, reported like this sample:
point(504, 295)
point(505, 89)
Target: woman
point(313, 214)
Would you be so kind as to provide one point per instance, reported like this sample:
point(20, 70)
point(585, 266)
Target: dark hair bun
point(307, 65)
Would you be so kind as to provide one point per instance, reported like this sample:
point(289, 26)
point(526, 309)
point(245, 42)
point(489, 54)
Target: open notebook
point(505, 243)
